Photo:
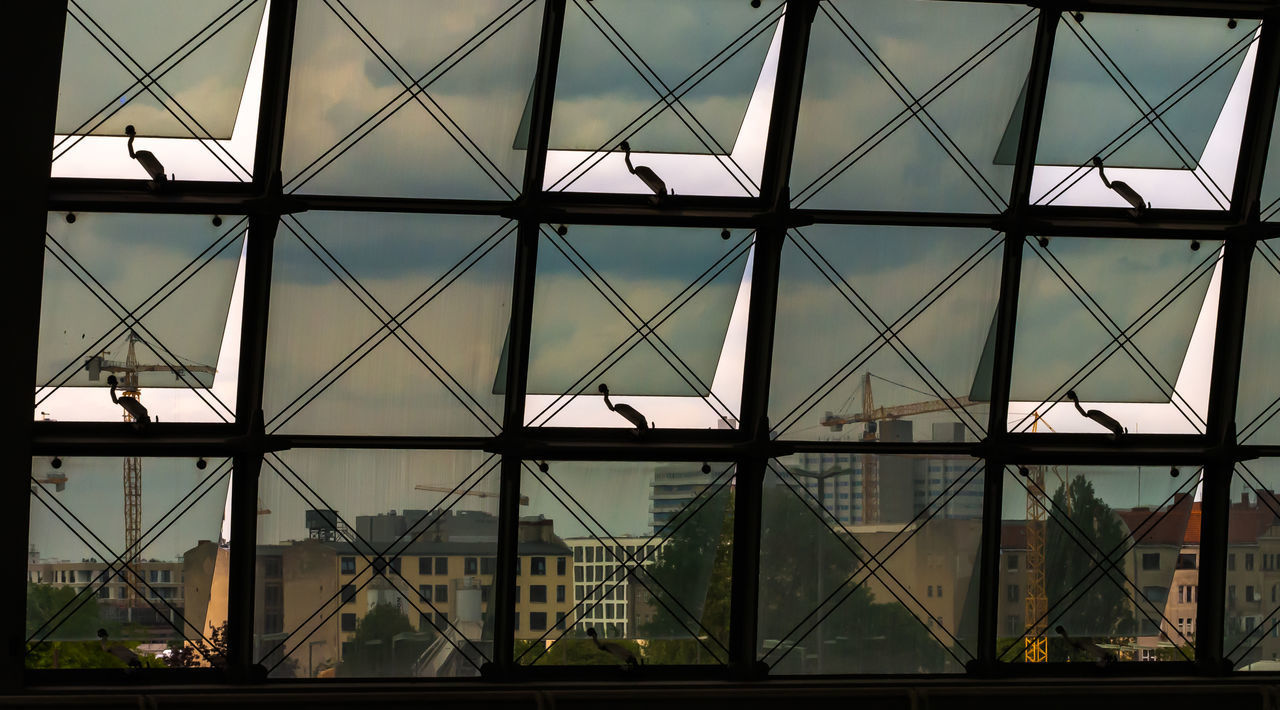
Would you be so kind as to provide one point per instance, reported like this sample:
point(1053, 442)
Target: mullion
point(729, 258)
point(417, 95)
point(1173, 294)
point(1182, 92)
point(600, 154)
point(674, 107)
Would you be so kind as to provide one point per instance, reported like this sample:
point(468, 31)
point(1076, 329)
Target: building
point(159, 602)
point(604, 595)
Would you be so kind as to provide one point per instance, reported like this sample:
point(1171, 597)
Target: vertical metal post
point(1002, 364)
point(35, 53)
point(253, 339)
point(758, 363)
point(503, 606)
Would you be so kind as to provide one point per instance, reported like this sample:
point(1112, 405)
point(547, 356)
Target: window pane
point(674, 506)
point(1116, 321)
point(423, 305)
point(371, 504)
point(157, 288)
point(1251, 638)
point(905, 104)
point(841, 595)
point(883, 317)
point(685, 83)
point(148, 566)
point(430, 98)
point(1104, 540)
point(647, 312)
point(1259, 396)
point(1159, 85)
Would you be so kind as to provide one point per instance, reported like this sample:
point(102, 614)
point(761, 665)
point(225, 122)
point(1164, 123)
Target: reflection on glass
point(644, 310)
point(647, 579)
point(376, 563)
point(143, 559)
point(1259, 395)
point(1251, 639)
point(387, 323)
point(1098, 564)
point(904, 105)
point(868, 564)
point(1112, 320)
point(430, 97)
point(194, 55)
point(879, 333)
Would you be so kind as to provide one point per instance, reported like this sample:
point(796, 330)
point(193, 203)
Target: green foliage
point(1097, 608)
point(46, 602)
point(579, 652)
point(374, 650)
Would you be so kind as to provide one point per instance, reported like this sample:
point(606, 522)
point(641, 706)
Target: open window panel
point(880, 333)
point(376, 563)
point(869, 563)
point(186, 76)
point(1258, 399)
point(410, 99)
point(1126, 327)
point(1166, 100)
point(387, 324)
point(686, 85)
point(1099, 564)
point(1251, 637)
point(128, 563)
point(150, 301)
point(638, 566)
point(657, 316)
point(905, 103)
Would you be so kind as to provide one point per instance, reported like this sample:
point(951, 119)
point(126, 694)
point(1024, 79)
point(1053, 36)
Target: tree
point(72, 629)
point(1085, 583)
point(199, 652)
point(374, 650)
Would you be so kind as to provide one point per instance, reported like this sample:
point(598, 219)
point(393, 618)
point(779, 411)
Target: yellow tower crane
point(872, 414)
point(1036, 604)
point(128, 369)
point(524, 500)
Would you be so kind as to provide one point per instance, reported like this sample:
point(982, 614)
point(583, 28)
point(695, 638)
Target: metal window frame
point(750, 446)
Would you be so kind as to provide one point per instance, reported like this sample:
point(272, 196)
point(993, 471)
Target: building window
point(577, 554)
point(1250, 595)
point(105, 592)
point(939, 591)
point(442, 565)
point(271, 594)
point(348, 593)
point(1231, 593)
point(442, 593)
point(348, 565)
point(471, 566)
point(577, 592)
point(538, 593)
point(487, 565)
point(1231, 561)
point(560, 621)
point(424, 593)
point(1248, 561)
point(1012, 563)
point(1013, 625)
point(517, 595)
point(560, 593)
point(1011, 593)
point(348, 621)
point(271, 567)
point(442, 619)
point(516, 625)
point(562, 564)
point(1187, 560)
point(537, 565)
point(518, 566)
point(424, 621)
point(931, 591)
point(591, 554)
point(273, 623)
point(1150, 560)
point(577, 574)
point(424, 565)
point(537, 620)
point(484, 594)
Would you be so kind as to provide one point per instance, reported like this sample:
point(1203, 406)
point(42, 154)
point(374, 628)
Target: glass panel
point(405, 99)
point(881, 329)
point(1108, 550)
point(149, 569)
point(686, 84)
point(655, 584)
point(869, 564)
point(1270, 203)
point(1124, 323)
point(904, 105)
point(1159, 86)
point(168, 68)
point(1252, 634)
point(342, 586)
point(1259, 395)
point(145, 299)
point(423, 305)
point(647, 311)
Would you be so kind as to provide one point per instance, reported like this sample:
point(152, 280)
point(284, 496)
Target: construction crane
point(128, 370)
point(871, 415)
point(1036, 604)
point(524, 500)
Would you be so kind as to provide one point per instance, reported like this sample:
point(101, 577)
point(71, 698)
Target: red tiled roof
point(1165, 526)
point(1193, 527)
point(1013, 536)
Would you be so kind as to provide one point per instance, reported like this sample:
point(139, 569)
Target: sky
point(337, 84)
